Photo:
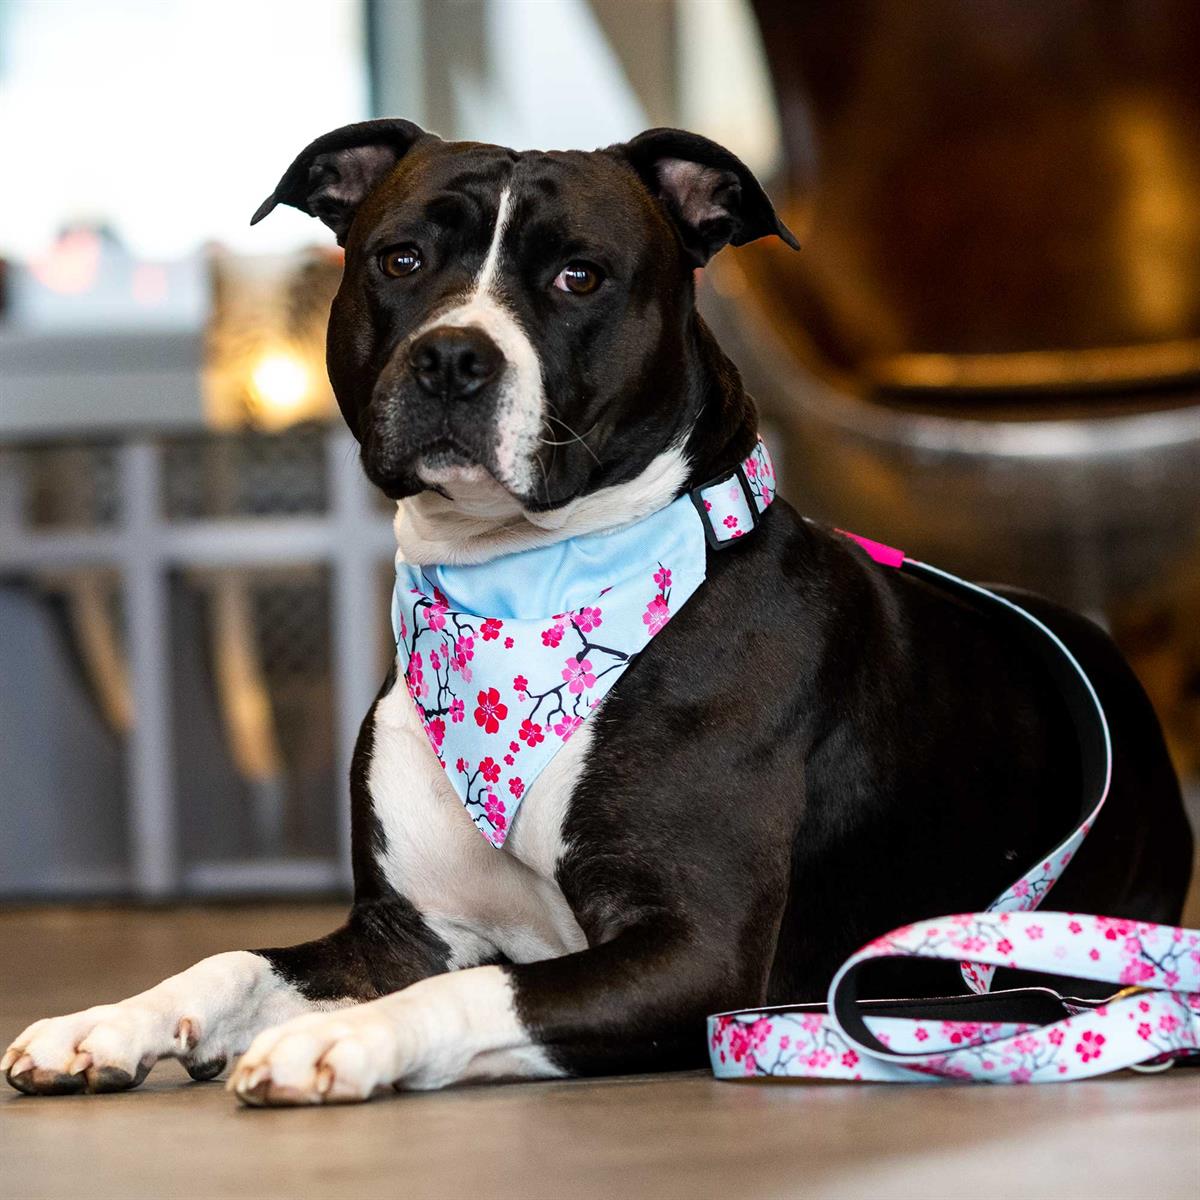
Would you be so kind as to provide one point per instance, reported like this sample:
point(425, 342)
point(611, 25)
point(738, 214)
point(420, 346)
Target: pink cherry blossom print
point(662, 578)
point(730, 522)
point(437, 732)
point(520, 684)
point(457, 710)
point(552, 636)
point(490, 769)
point(508, 643)
point(493, 809)
point(1088, 1046)
point(490, 711)
point(516, 786)
point(1136, 972)
point(416, 676)
point(657, 614)
point(435, 616)
point(587, 619)
point(461, 766)
point(567, 726)
point(578, 675)
point(531, 732)
point(490, 629)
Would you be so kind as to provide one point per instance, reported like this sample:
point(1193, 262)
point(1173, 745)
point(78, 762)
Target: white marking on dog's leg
point(207, 1013)
point(478, 901)
point(442, 1030)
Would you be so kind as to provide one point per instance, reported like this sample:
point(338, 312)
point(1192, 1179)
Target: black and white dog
point(812, 752)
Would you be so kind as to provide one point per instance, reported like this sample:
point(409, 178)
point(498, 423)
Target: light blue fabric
point(506, 659)
point(566, 575)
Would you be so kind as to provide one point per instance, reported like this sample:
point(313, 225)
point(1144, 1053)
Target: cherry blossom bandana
point(1025, 1035)
point(506, 659)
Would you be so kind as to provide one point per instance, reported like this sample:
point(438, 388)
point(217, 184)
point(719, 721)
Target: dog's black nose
point(454, 363)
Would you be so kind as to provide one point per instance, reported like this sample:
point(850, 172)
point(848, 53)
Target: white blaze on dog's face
point(515, 332)
point(520, 402)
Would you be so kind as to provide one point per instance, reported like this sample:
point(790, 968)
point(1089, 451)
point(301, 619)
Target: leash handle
point(1156, 1017)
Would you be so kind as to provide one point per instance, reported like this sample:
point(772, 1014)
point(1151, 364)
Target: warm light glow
point(281, 384)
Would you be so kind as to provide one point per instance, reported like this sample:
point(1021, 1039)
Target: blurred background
point(988, 353)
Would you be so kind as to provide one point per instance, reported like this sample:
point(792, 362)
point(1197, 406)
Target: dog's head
point(522, 318)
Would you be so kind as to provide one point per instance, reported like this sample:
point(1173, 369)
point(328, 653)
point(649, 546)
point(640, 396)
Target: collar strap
point(731, 505)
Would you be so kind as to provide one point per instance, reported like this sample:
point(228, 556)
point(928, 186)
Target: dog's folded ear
point(331, 177)
point(709, 193)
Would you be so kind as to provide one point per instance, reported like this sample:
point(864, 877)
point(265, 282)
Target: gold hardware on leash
point(1125, 991)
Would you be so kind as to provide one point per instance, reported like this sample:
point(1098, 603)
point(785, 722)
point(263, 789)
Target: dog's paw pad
point(114, 1079)
point(37, 1081)
point(202, 1072)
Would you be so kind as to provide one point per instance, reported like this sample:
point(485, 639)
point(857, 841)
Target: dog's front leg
point(635, 1003)
point(208, 1014)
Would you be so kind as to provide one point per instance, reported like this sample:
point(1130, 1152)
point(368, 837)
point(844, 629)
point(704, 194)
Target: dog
point(810, 752)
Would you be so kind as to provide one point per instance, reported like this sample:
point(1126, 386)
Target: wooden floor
point(671, 1136)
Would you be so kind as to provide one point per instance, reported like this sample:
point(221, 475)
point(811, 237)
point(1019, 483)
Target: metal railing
point(352, 538)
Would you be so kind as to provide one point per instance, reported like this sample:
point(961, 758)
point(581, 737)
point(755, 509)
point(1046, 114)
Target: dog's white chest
point(478, 899)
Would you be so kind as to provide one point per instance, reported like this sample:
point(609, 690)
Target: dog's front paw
point(320, 1058)
point(104, 1049)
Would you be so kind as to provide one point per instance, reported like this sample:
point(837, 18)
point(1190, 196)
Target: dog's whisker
point(545, 482)
point(575, 437)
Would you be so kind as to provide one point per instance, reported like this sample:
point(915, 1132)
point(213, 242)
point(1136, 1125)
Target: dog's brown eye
point(579, 278)
point(400, 261)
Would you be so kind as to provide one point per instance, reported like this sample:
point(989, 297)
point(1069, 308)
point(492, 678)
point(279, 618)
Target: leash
point(1022, 1035)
